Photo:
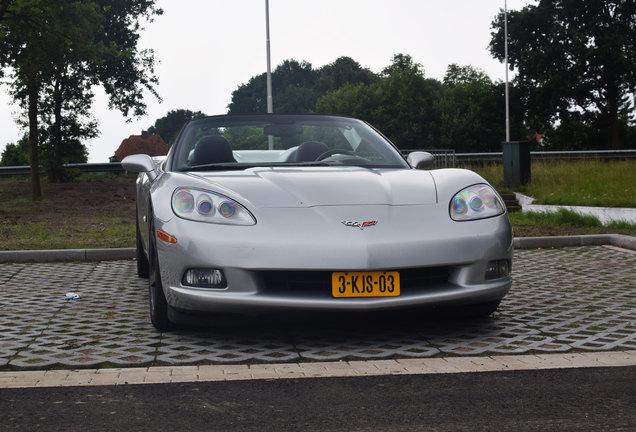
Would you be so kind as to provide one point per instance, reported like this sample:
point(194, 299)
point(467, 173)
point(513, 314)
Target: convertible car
point(268, 212)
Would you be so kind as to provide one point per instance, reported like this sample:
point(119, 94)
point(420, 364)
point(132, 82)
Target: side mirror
point(139, 163)
point(421, 160)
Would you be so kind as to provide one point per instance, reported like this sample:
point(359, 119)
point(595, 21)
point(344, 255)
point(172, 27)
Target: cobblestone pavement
point(570, 299)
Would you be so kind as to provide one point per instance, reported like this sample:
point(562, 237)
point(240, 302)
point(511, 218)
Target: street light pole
point(270, 104)
point(506, 62)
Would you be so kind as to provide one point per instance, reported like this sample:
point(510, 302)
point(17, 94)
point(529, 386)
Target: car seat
point(310, 150)
point(211, 150)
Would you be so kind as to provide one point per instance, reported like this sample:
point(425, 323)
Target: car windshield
point(240, 142)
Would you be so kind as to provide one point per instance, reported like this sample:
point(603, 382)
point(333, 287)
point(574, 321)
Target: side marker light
point(161, 235)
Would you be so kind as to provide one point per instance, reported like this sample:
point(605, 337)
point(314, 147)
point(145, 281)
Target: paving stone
point(580, 299)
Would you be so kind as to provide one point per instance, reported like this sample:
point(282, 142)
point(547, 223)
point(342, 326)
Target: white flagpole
point(270, 104)
point(506, 62)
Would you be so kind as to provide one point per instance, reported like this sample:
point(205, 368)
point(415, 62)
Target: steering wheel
point(332, 152)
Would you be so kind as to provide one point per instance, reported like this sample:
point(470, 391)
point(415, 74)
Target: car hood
point(310, 187)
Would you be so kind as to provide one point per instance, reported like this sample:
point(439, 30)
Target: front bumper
point(294, 241)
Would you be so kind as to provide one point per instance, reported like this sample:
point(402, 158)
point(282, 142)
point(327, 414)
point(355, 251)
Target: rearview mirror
point(421, 160)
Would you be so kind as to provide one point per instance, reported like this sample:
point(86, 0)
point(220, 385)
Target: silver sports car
point(252, 213)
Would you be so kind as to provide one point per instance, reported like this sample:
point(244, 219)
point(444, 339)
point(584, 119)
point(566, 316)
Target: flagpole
point(506, 62)
point(270, 108)
point(270, 104)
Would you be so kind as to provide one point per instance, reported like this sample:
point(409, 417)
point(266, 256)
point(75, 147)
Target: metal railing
point(113, 167)
point(550, 155)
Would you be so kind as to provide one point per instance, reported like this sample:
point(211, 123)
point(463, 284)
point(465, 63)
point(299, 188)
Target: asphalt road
point(564, 400)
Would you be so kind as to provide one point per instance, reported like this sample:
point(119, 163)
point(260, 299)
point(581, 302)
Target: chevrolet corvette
point(268, 212)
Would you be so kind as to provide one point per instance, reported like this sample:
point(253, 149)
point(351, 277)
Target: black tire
point(142, 261)
point(157, 299)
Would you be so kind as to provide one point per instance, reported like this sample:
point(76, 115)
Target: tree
point(65, 121)
point(296, 86)
point(251, 97)
point(344, 70)
point(4, 5)
point(52, 45)
point(169, 126)
point(457, 75)
point(293, 90)
point(16, 154)
point(400, 103)
point(576, 62)
point(471, 111)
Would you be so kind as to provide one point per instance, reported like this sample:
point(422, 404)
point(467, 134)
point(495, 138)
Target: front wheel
point(158, 303)
point(142, 260)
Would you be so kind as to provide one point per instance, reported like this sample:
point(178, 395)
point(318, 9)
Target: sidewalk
point(207, 373)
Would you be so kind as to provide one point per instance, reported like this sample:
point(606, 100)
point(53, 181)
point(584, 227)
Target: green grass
point(105, 232)
point(623, 225)
point(584, 183)
point(562, 217)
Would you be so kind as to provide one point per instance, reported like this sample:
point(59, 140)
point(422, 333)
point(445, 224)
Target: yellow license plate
point(365, 284)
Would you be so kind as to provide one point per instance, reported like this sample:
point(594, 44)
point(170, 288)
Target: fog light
point(204, 278)
point(497, 269)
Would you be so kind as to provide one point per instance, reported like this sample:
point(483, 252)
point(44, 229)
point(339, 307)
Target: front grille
point(319, 282)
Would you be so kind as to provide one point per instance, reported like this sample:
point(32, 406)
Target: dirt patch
point(88, 214)
point(77, 202)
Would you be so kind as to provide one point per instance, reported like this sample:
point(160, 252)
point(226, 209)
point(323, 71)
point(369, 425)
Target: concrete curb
point(59, 255)
point(605, 215)
point(619, 240)
point(276, 371)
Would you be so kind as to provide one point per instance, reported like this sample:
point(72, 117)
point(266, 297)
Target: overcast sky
point(207, 48)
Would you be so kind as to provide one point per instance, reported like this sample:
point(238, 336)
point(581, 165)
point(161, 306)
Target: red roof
point(152, 145)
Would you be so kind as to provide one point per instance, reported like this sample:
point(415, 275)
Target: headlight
point(475, 202)
point(206, 206)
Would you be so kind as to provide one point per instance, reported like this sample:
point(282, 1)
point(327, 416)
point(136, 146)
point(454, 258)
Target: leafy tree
point(4, 5)
point(65, 121)
point(406, 109)
point(293, 90)
point(400, 103)
point(351, 99)
point(576, 62)
point(296, 86)
point(471, 111)
point(16, 154)
point(251, 97)
point(52, 45)
point(457, 75)
point(169, 126)
point(343, 71)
